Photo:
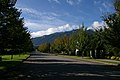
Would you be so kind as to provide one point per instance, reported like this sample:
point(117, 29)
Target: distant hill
point(50, 38)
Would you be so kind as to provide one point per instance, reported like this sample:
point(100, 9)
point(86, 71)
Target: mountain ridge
point(50, 38)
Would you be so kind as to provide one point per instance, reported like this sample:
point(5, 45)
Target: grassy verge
point(92, 60)
point(7, 62)
point(109, 62)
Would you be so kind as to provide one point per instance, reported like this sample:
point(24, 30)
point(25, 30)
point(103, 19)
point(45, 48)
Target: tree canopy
point(13, 35)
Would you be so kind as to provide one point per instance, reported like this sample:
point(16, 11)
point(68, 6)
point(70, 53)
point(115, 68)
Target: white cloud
point(101, 10)
point(55, 14)
point(57, 1)
point(107, 6)
point(35, 25)
point(95, 26)
point(37, 20)
point(30, 11)
point(97, 2)
point(70, 2)
point(79, 1)
point(63, 28)
point(98, 25)
point(38, 14)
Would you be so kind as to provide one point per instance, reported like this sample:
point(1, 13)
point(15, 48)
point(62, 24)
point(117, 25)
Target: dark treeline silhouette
point(14, 38)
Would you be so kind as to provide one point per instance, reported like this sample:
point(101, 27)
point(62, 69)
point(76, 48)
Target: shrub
point(108, 57)
point(117, 58)
point(113, 57)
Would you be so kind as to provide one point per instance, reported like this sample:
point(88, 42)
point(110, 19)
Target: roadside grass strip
point(94, 60)
point(7, 62)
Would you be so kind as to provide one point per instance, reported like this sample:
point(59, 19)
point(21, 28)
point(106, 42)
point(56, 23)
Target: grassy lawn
point(7, 62)
point(92, 60)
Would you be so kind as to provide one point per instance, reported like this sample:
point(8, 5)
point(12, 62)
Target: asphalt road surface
point(43, 66)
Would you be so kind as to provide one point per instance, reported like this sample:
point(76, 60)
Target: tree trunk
point(95, 53)
point(0, 58)
point(91, 54)
point(11, 56)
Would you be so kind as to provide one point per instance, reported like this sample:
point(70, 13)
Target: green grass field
point(92, 60)
point(7, 62)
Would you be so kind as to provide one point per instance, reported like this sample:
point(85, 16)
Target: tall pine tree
point(13, 36)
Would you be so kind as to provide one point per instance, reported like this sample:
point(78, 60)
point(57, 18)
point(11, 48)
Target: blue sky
point(43, 17)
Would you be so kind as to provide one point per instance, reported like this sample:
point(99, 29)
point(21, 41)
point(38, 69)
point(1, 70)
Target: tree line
point(14, 37)
point(102, 43)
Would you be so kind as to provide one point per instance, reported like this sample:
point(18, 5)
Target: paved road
point(41, 66)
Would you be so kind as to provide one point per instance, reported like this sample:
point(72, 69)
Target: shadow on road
point(62, 71)
point(54, 60)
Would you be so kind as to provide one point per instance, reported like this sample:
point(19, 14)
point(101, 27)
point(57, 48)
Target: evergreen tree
point(13, 36)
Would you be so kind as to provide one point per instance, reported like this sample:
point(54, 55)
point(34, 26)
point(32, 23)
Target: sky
point(44, 17)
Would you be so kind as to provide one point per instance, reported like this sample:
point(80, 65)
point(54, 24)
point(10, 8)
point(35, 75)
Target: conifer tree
point(14, 37)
